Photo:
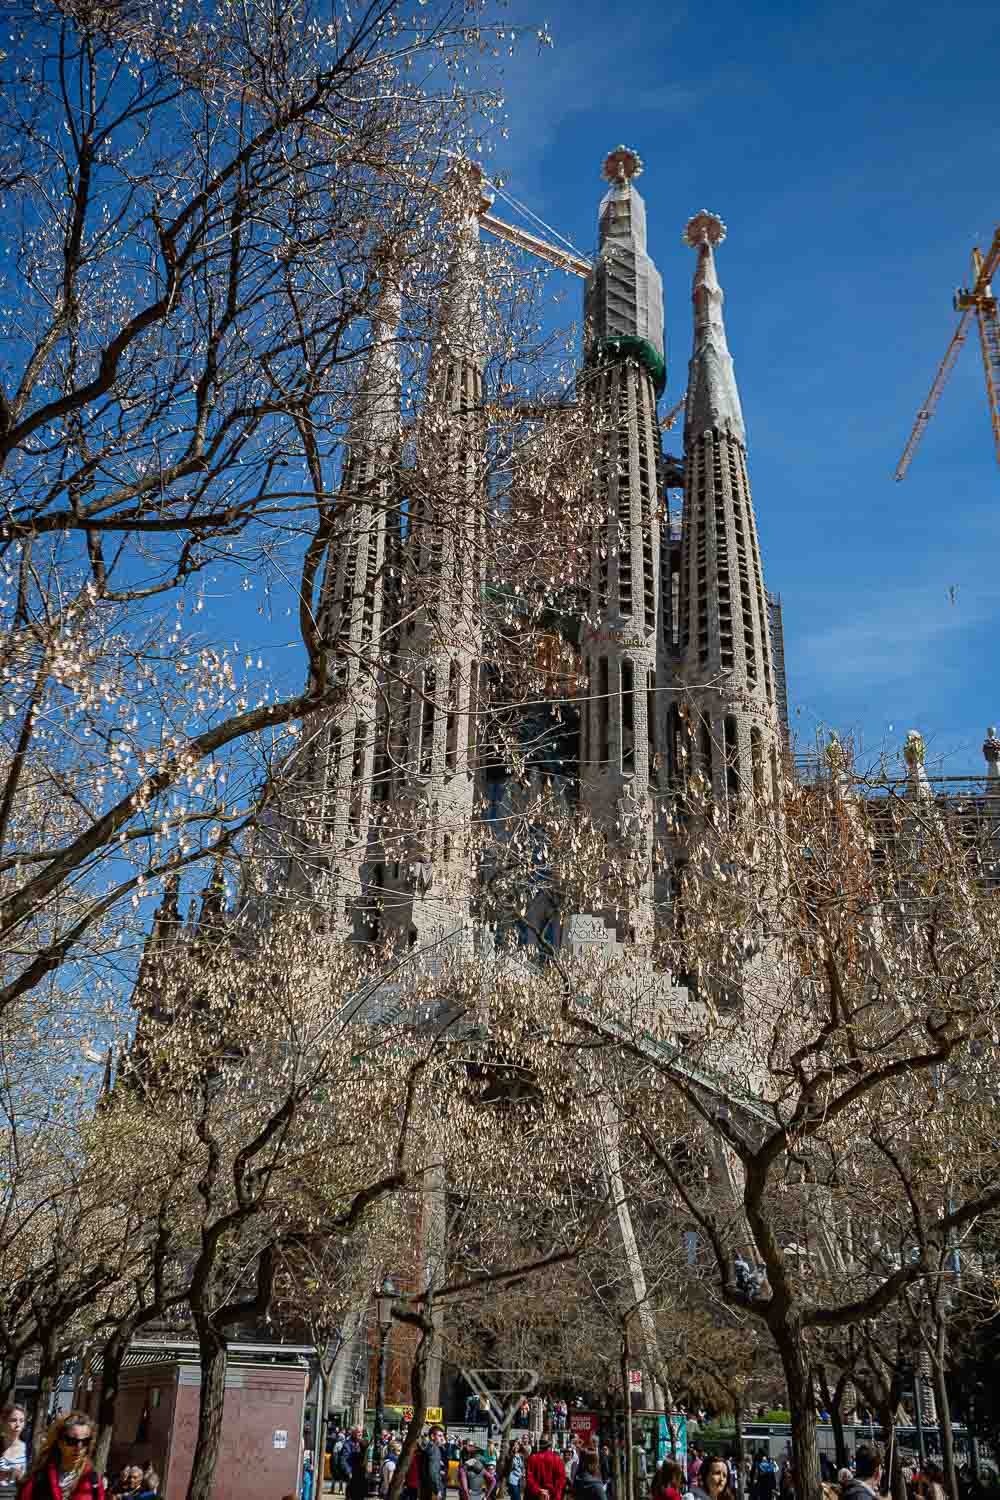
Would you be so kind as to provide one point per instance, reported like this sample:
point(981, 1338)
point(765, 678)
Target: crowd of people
point(563, 1466)
point(64, 1467)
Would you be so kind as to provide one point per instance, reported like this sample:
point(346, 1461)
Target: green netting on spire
point(630, 346)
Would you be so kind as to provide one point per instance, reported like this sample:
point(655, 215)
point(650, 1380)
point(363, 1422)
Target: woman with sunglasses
point(64, 1469)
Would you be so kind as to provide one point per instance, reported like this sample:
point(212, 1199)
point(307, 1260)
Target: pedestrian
point(668, 1481)
point(130, 1483)
point(867, 1472)
point(640, 1468)
point(518, 1464)
point(13, 1457)
point(694, 1467)
point(388, 1468)
point(767, 1477)
point(64, 1468)
point(433, 1466)
point(713, 1480)
point(545, 1475)
point(587, 1483)
point(149, 1489)
point(357, 1484)
point(472, 1475)
point(935, 1482)
point(306, 1488)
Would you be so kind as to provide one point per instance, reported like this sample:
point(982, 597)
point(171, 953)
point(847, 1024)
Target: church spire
point(618, 750)
point(624, 293)
point(713, 400)
point(726, 665)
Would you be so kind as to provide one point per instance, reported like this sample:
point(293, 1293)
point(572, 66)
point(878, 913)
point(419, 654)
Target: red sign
point(583, 1422)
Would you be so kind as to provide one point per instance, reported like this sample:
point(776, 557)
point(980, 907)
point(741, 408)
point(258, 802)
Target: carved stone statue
point(915, 750)
point(836, 755)
point(631, 815)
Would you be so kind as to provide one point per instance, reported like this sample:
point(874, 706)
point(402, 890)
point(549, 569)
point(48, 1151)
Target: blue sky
point(853, 151)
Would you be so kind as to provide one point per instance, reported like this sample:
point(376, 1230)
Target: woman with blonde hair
point(64, 1468)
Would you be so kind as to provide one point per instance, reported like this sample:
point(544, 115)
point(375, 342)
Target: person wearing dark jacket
point(357, 1485)
point(867, 1472)
point(588, 1484)
point(433, 1467)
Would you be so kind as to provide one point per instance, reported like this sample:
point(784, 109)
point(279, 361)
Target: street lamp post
point(384, 1299)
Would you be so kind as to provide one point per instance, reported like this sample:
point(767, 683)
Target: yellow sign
point(431, 1413)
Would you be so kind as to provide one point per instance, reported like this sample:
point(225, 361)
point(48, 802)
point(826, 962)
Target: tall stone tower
point(624, 376)
point(425, 856)
point(725, 669)
point(327, 825)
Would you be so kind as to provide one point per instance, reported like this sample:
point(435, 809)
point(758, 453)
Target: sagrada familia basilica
point(672, 611)
point(678, 641)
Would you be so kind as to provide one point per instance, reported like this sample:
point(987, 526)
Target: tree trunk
point(111, 1369)
point(48, 1367)
point(8, 1379)
point(629, 1477)
point(938, 1358)
point(319, 1436)
point(892, 1468)
point(504, 1455)
point(738, 1448)
point(805, 1453)
point(213, 1350)
point(418, 1399)
point(837, 1420)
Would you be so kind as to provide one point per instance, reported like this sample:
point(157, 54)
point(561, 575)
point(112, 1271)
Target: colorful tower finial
point(991, 750)
point(703, 228)
point(621, 165)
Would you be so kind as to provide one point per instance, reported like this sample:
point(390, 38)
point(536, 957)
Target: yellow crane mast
point(977, 300)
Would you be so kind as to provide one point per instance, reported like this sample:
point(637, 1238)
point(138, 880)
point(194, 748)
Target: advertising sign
point(679, 1423)
point(583, 1422)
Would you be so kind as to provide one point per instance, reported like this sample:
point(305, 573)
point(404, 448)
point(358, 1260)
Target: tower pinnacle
point(713, 400)
point(622, 164)
point(624, 295)
point(725, 663)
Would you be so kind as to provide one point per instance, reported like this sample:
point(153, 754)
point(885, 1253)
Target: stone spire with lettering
point(725, 667)
point(624, 376)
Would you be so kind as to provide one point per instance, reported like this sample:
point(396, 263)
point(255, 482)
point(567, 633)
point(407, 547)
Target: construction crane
point(978, 300)
point(563, 260)
point(668, 421)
